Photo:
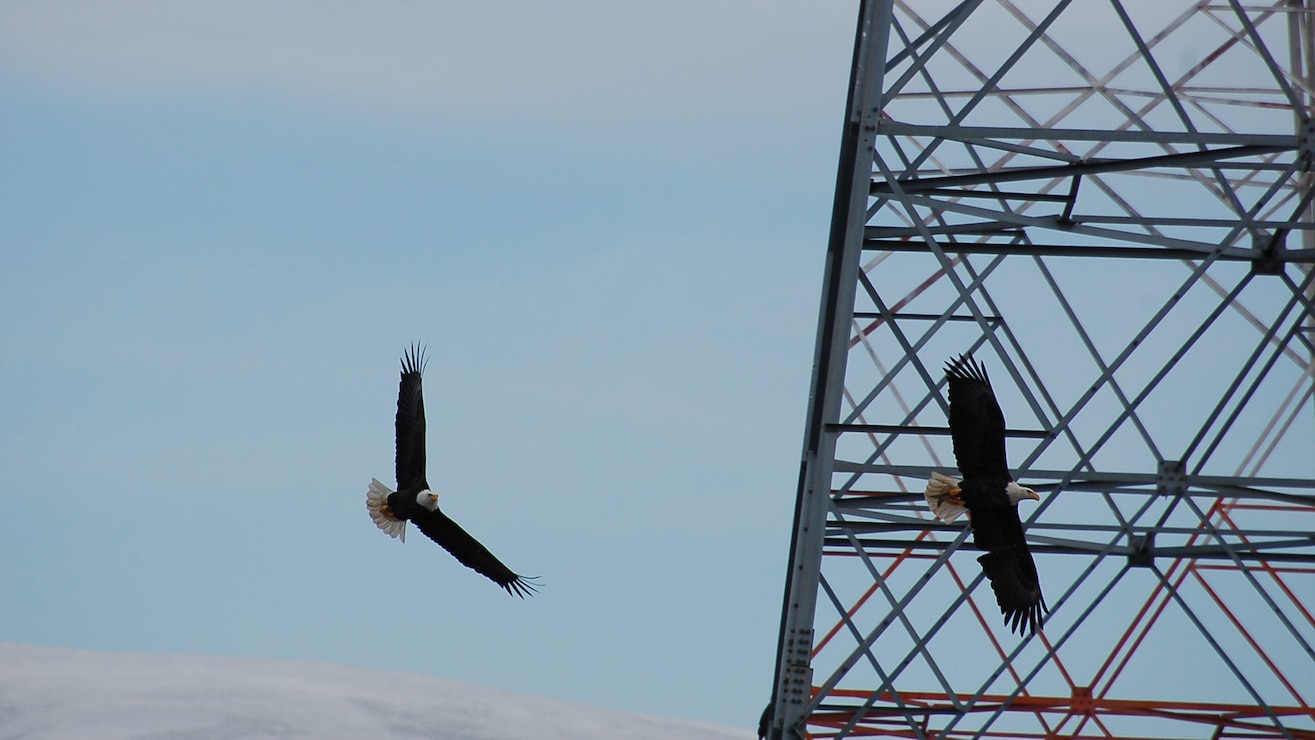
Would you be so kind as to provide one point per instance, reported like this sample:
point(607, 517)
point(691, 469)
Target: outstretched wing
point(1009, 566)
point(411, 423)
point(977, 426)
point(438, 527)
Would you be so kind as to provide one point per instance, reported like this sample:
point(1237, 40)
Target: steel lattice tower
point(1109, 203)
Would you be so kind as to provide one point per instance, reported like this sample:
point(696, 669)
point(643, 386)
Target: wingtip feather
point(414, 359)
point(966, 367)
point(522, 586)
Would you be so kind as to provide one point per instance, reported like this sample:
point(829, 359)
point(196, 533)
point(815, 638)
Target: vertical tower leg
point(791, 689)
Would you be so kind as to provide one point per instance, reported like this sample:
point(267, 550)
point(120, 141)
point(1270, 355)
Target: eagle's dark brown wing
point(438, 527)
point(1009, 566)
point(411, 424)
point(977, 425)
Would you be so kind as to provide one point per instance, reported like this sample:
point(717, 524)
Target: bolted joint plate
point(1170, 478)
point(798, 683)
point(1141, 552)
point(1306, 143)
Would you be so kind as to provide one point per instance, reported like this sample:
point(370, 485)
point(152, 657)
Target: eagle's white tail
point(940, 489)
point(376, 500)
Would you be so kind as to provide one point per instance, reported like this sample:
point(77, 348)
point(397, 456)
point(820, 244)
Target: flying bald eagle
point(989, 495)
point(415, 502)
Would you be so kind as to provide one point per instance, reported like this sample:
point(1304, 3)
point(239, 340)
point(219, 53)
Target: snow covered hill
point(52, 693)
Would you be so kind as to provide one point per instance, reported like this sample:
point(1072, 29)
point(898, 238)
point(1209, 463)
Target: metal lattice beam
point(1110, 203)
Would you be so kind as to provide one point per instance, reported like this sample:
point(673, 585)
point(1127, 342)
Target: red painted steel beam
point(1230, 718)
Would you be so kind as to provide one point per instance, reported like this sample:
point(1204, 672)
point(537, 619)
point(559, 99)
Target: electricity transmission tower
point(1109, 203)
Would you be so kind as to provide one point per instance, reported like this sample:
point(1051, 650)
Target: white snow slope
point(55, 693)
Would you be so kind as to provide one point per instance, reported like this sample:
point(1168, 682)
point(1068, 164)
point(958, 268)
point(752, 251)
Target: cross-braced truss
point(1109, 203)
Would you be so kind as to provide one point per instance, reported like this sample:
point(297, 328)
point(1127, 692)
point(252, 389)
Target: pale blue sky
point(222, 223)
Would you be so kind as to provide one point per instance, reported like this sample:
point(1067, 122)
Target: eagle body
point(989, 495)
point(415, 502)
point(406, 505)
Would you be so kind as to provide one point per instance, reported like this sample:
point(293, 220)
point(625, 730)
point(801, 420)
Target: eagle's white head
point(1017, 493)
point(428, 499)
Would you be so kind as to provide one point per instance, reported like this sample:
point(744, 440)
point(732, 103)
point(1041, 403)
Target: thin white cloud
point(54, 692)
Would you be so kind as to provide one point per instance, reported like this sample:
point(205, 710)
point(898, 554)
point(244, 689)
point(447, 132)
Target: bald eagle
point(989, 494)
point(414, 501)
